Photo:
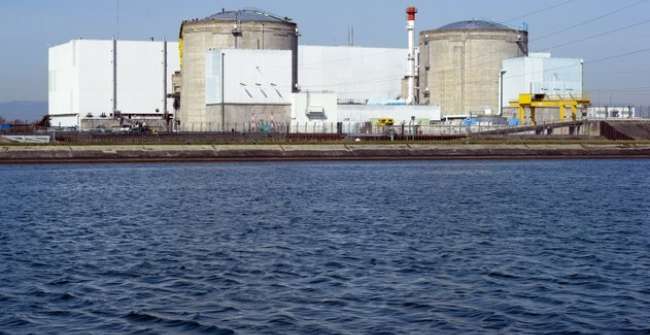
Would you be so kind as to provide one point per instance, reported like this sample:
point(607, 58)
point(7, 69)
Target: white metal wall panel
point(61, 80)
point(514, 79)
point(541, 74)
point(355, 74)
point(81, 77)
point(140, 72)
point(94, 91)
point(534, 74)
point(563, 76)
point(251, 76)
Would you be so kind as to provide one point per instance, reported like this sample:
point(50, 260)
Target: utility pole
point(165, 111)
point(503, 72)
point(223, 92)
point(117, 19)
point(115, 111)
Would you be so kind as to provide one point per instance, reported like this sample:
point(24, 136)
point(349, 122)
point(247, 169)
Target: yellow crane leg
point(521, 115)
point(574, 112)
point(562, 113)
point(533, 115)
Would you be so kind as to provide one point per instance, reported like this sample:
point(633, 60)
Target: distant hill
point(23, 110)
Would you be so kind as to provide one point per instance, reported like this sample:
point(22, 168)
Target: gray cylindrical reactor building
point(460, 65)
point(240, 29)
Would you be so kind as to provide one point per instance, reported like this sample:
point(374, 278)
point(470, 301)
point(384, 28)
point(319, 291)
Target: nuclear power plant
point(246, 67)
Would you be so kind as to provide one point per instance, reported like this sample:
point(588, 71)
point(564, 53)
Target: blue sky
point(30, 27)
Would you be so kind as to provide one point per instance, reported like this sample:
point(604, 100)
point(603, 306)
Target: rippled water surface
point(326, 248)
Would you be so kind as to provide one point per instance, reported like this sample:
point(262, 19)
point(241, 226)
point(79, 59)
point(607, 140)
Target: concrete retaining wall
point(74, 154)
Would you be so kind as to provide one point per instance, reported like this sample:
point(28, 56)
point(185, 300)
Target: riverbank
point(196, 153)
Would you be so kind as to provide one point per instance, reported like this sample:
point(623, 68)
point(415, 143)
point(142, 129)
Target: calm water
point(326, 248)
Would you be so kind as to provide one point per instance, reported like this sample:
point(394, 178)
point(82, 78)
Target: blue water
point(326, 248)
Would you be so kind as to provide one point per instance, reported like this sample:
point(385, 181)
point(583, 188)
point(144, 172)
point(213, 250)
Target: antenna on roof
point(117, 19)
point(351, 35)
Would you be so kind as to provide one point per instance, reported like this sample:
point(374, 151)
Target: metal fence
point(341, 128)
point(265, 132)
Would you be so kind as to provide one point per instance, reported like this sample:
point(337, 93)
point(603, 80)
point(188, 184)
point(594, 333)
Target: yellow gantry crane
point(534, 101)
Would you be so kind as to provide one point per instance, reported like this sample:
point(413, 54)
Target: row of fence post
point(341, 128)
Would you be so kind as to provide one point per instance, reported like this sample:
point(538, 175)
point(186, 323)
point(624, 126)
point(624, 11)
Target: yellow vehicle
point(385, 122)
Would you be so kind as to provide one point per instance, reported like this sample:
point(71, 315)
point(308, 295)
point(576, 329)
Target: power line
point(557, 46)
point(594, 19)
point(630, 53)
point(517, 75)
point(537, 11)
point(483, 81)
point(544, 36)
point(615, 11)
point(627, 89)
point(591, 37)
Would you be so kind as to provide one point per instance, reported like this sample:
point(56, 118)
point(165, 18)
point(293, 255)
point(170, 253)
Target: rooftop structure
point(246, 15)
point(474, 25)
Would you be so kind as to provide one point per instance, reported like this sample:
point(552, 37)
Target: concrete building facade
point(460, 65)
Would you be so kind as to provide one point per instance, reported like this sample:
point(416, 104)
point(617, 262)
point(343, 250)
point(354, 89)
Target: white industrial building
point(92, 79)
point(356, 74)
point(539, 73)
point(612, 112)
point(320, 112)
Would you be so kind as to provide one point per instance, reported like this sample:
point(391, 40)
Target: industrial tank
point(460, 65)
point(240, 29)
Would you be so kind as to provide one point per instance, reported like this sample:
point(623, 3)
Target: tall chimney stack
point(410, 12)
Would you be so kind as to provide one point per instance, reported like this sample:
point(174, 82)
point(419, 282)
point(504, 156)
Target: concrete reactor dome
point(474, 25)
point(236, 29)
point(247, 15)
point(460, 65)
